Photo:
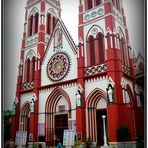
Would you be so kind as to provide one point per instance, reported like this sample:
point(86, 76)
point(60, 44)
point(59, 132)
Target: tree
point(7, 124)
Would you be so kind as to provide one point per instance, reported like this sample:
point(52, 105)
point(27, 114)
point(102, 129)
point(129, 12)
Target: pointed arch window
point(30, 25)
point(36, 22)
point(92, 50)
point(98, 2)
point(32, 70)
point(54, 22)
point(58, 38)
point(100, 38)
point(89, 4)
point(27, 70)
point(122, 42)
point(113, 1)
point(118, 4)
point(48, 23)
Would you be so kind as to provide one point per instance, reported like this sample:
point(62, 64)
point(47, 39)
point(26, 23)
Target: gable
point(139, 64)
point(60, 59)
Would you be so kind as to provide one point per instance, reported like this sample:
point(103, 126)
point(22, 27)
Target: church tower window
point(48, 23)
point(36, 22)
point(27, 76)
point(54, 22)
point(101, 47)
point(30, 25)
point(92, 50)
point(118, 4)
point(122, 50)
point(32, 69)
point(90, 5)
point(98, 2)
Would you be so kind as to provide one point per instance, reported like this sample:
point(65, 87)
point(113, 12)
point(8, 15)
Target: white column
point(104, 129)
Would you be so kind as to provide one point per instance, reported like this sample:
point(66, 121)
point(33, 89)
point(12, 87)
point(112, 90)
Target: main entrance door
point(61, 123)
point(100, 135)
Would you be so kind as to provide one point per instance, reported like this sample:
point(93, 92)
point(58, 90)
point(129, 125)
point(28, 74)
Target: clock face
point(58, 66)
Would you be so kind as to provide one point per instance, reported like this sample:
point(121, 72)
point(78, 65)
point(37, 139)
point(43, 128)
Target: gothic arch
point(130, 93)
point(120, 32)
point(91, 109)
point(52, 12)
point(53, 99)
point(94, 30)
point(30, 55)
point(29, 66)
point(50, 110)
point(94, 97)
point(25, 109)
point(33, 11)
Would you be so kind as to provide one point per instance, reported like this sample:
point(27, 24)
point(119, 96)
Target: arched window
point(30, 25)
point(98, 2)
point(92, 50)
point(58, 38)
point(89, 4)
point(101, 47)
point(32, 69)
point(113, 1)
point(36, 22)
point(28, 70)
point(122, 42)
point(54, 22)
point(118, 4)
point(48, 23)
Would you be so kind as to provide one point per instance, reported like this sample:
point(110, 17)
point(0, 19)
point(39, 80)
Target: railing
point(93, 13)
point(126, 70)
point(95, 69)
point(27, 86)
point(31, 40)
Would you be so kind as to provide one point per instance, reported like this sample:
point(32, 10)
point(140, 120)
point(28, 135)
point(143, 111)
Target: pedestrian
point(59, 144)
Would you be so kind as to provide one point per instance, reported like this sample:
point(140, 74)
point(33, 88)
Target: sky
point(14, 11)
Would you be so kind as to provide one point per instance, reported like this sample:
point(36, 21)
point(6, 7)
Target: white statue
point(32, 106)
point(110, 94)
point(78, 99)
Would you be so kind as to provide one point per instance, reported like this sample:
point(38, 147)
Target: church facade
point(61, 85)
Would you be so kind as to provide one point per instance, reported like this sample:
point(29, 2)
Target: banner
point(21, 138)
point(69, 137)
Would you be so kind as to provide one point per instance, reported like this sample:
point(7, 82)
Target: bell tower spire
point(102, 27)
point(40, 20)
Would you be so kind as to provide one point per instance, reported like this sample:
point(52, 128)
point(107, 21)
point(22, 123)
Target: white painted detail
point(61, 102)
point(72, 74)
point(101, 24)
point(26, 98)
point(102, 104)
point(93, 13)
point(127, 98)
point(90, 86)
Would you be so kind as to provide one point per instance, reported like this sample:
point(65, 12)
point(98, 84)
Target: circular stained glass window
point(58, 66)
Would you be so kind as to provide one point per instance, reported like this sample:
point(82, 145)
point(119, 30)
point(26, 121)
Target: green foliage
point(77, 143)
point(35, 146)
point(123, 133)
point(7, 124)
point(88, 141)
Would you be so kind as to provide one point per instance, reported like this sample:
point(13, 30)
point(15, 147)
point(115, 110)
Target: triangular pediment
point(139, 63)
point(60, 57)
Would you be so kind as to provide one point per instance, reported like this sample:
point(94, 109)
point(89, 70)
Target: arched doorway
point(96, 106)
point(57, 114)
point(25, 118)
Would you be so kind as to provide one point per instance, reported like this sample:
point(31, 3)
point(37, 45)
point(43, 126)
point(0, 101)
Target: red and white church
point(61, 85)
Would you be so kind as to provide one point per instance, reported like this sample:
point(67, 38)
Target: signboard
point(21, 138)
point(41, 129)
point(69, 137)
